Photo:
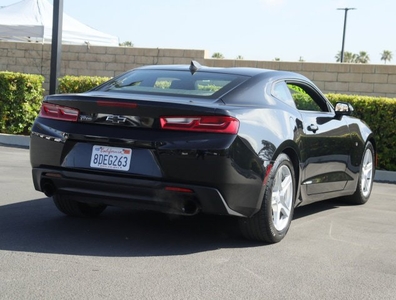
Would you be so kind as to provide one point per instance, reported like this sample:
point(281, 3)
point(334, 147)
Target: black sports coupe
point(245, 142)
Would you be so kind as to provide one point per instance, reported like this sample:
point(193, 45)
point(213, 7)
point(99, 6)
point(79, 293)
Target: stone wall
point(361, 79)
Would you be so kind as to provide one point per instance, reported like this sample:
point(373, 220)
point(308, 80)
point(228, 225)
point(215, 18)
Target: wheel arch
point(291, 150)
point(265, 225)
point(371, 139)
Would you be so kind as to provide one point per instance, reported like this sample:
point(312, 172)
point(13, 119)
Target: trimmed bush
point(379, 113)
point(79, 84)
point(21, 96)
point(20, 100)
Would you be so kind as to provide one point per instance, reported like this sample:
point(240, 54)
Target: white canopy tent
point(31, 21)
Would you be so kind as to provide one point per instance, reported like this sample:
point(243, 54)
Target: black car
point(244, 142)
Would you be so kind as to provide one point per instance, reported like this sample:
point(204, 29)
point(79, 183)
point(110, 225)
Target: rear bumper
point(130, 192)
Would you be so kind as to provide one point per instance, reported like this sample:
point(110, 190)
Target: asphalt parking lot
point(332, 251)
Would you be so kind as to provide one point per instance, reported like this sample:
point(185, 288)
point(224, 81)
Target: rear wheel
point(71, 207)
point(271, 223)
point(366, 177)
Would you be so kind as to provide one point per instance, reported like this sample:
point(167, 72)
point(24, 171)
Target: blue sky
point(254, 29)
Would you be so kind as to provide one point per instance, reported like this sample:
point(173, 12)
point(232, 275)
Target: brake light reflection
point(116, 104)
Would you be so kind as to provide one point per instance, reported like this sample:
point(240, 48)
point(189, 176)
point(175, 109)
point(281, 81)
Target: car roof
point(243, 71)
point(234, 70)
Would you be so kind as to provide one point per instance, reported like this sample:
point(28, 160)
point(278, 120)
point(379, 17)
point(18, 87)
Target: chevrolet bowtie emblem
point(116, 119)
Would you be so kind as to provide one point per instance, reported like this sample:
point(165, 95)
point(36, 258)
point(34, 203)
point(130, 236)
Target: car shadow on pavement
point(317, 207)
point(37, 226)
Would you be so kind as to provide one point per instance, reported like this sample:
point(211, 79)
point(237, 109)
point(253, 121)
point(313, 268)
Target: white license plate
point(112, 158)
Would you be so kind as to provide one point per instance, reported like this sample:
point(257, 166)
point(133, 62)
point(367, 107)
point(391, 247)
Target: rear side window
point(307, 99)
point(201, 84)
point(300, 96)
point(282, 92)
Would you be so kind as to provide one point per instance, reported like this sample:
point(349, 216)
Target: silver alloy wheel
point(366, 176)
point(282, 198)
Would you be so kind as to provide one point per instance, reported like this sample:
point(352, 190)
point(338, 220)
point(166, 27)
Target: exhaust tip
point(189, 207)
point(48, 188)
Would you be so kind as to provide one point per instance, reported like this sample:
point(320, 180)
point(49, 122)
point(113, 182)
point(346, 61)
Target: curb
point(22, 141)
point(385, 176)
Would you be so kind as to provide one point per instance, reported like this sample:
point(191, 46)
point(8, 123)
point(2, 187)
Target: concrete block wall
point(361, 79)
point(86, 60)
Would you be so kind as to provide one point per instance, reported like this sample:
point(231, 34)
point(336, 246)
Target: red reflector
point(267, 173)
point(58, 112)
point(116, 104)
point(216, 124)
point(56, 175)
point(178, 189)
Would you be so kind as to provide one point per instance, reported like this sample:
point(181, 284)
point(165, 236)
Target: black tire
point(366, 177)
point(266, 225)
point(71, 207)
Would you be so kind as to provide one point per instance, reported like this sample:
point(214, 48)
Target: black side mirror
point(343, 109)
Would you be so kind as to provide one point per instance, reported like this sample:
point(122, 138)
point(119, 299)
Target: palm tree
point(218, 55)
point(349, 57)
point(362, 57)
point(386, 56)
point(239, 57)
point(338, 56)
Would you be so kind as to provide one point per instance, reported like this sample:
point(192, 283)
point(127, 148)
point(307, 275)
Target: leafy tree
point(218, 55)
point(239, 57)
point(277, 59)
point(126, 44)
point(362, 57)
point(386, 55)
point(301, 59)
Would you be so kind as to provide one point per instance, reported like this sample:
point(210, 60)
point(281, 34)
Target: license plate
point(112, 158)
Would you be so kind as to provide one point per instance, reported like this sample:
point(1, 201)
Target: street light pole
point(56, 45)
point(343, 35)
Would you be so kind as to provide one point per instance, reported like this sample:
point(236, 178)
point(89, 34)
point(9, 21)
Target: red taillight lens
point(178, 189)
point(216, 124)
point(57, 112)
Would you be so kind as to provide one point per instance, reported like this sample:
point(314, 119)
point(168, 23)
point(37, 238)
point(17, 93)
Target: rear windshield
point(201, 84)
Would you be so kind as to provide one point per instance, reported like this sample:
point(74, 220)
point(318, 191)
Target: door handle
point(313, 128)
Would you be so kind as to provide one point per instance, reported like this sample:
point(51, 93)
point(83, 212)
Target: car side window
point(281, 91)
point(306, 98)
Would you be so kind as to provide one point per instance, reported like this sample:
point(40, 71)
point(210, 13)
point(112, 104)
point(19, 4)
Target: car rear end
point(140, 142)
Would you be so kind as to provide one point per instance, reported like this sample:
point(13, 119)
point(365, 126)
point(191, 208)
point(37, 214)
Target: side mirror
point(343, 109)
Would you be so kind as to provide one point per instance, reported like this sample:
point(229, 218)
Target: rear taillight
point(57, 112)
point(215, 124)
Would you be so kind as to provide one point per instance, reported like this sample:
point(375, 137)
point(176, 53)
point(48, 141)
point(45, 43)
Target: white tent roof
point(31, 20)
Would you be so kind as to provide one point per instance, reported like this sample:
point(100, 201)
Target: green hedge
point(379, 113)
point(20, 100)
point(21, 95)
point(79, 84)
